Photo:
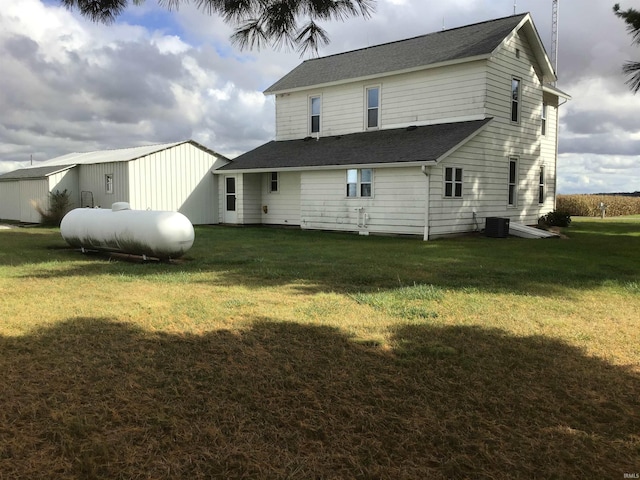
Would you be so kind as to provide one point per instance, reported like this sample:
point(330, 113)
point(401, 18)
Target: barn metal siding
point(66, 180)
point(176, 179)
point(92, 179)
point(10, 200)
point(33, 191)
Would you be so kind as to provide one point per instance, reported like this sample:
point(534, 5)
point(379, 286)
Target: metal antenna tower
point(554, 36)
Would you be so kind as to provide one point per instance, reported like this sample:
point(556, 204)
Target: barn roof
point(48, 167)
point(448, 46)
point(34, 172)
point(383, 147)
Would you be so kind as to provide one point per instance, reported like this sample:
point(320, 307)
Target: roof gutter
point(555, 91)
point(413, 163)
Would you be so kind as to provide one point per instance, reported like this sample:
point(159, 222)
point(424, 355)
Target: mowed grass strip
point(270, 353)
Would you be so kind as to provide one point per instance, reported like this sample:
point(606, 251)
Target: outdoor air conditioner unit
point(496, 227)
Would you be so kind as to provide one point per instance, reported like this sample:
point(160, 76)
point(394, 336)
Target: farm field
point(285, 354)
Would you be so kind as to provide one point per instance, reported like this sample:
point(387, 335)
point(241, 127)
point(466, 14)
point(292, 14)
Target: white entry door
point(230, 203)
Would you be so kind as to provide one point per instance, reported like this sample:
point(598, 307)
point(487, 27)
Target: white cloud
point(156, 76)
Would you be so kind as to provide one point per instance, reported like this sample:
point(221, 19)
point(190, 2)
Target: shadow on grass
point(92, 398)
point(325, 261)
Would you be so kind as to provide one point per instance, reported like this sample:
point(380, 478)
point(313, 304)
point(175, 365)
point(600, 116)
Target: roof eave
point(539, 51)
point(556, 91)
point(37, 177)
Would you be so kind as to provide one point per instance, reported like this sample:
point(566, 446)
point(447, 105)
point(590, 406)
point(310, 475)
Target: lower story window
point(513, 181)
point(541, 184)
point(360, 182)
point(273, 182)
point(453, 182)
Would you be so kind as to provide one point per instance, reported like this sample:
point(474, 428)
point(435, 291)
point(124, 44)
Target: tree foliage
point(279, 23)
point(631, 17)
point(59, 204)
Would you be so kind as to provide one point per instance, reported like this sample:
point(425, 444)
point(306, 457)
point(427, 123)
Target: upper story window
point(315, 104)
point(515, 100)
point(513, 181)
point(108, 183)
point(273, 182)
point(373, 107)
point(359, 182)
point(453, 182)
point(543, 120)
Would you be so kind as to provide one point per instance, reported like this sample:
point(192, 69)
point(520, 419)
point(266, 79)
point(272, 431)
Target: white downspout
point(426, 170)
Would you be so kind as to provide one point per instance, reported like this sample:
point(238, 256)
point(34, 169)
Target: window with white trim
point(543, 120)
point(373, 107)
point(360, 182)
point(453, 182)
point(315, 106)
point(273, 182)
point(513, 181)
point(541, 185)
point(108, 183)
point(515, 100)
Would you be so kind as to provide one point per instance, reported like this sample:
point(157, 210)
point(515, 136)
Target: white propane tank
point(119, 229)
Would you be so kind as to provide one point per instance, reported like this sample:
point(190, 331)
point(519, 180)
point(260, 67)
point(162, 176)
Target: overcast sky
point(69, 85)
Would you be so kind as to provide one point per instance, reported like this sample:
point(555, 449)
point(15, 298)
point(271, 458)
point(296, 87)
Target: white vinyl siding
point(283, 208)
point(249, 198)
point(429, 96)
point(398, 205)
point(504, 139)
point(253, 197)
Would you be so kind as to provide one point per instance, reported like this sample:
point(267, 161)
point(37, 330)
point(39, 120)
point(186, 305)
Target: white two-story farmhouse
point(425, 136)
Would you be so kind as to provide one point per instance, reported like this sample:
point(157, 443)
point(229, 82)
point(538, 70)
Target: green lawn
point(271, 353)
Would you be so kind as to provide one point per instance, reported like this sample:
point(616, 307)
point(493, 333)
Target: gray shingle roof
point(413, 144)
point(34, 172)
point(455, 44)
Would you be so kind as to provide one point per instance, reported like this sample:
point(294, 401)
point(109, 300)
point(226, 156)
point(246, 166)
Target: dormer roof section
point(458, 45)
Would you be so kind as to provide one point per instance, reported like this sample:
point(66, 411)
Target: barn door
point(230, 200)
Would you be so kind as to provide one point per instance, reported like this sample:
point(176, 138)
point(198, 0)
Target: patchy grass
point(268, 353)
